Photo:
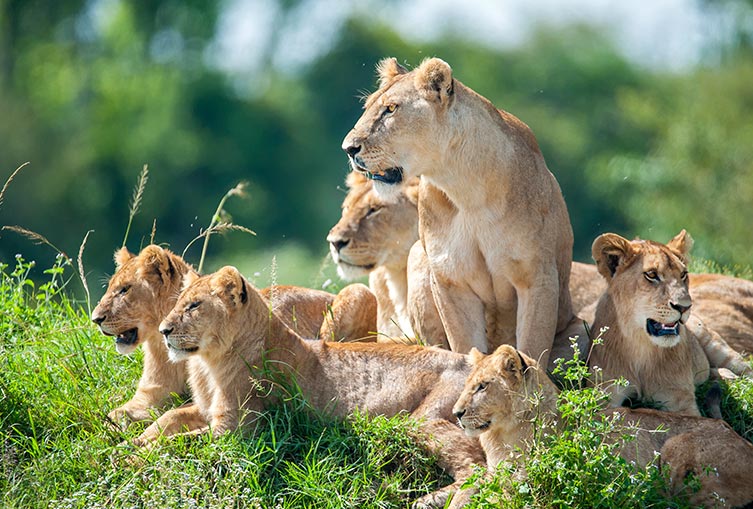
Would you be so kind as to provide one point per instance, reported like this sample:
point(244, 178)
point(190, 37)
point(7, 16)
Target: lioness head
point(496, 390)
point(373, 231)
point(206, 314)
point(648, 283)
point(139, 294)
point(397, 133)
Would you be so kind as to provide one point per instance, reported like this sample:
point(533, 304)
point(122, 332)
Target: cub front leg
point(187, 418)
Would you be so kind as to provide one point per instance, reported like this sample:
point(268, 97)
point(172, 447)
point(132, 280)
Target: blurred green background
point(644, 112)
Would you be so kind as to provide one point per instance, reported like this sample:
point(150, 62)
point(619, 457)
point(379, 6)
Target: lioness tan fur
point(373, 237)
point(491, 216)
point(652, 339)
point(222, 325)
point(145, 288)
point(507, 397)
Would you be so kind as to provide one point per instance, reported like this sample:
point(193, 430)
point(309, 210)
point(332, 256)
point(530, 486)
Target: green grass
point(59, 377)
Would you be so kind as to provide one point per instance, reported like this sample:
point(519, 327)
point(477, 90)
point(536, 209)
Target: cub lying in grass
point(653, 340)
point(221, 325)
point(145, 288)
point(507, 397)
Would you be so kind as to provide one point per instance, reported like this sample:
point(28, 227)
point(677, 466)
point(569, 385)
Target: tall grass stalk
point(138, 193)
point(10, 179)
point(82, 274)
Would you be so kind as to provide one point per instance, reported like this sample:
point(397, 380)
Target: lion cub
point(222, 325)
point(507, 394)
point(145, 288)
point(652, 339)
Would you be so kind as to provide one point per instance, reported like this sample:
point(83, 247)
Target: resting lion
point(506, 395)
point(491, 216)
point(221, 324)
point(145, 288)
point(653, 340)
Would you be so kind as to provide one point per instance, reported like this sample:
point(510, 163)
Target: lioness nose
point(338, 244)
point(352, 150)
point(165, 331)
point(679, 307)
point(459, 413)
point(98, 319)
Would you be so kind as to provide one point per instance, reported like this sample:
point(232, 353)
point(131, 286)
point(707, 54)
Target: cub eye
point(482, 386)
point(684, 275)
point(124, 290)
point(193, 305)
point(371, 211)
point(391, 108)
point(652, 276)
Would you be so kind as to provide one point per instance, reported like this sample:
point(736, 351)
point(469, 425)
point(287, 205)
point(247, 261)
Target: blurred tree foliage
point(90, 91)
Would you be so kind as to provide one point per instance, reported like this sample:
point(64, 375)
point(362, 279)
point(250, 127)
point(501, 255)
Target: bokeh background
point(644, 112)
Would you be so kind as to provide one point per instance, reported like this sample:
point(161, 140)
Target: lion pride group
point(472, 297)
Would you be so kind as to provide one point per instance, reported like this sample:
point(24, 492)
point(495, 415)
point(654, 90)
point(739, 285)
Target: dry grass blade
point(10, 179)
point(37, 238)
point(217, 228)
point(138, 193)
point(154, 231)
point(81, 273)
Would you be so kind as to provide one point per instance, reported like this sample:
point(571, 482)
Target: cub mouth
point(390, 176)
point(484, 426)
point(128, 338)
point(657, 329)
point(190, 349)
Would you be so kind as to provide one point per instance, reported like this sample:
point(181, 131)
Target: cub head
point(139, 294)
point(496, 391)
point(209, 312)
point(372, 231)
point(399, 130)
point(648, 284)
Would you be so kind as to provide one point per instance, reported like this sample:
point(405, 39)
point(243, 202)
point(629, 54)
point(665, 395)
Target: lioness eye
point(372, 210)
point(124, 289)
point(391, 108)
point(193, 305)
point(684, 275)
point(652, 276)
point(480, 387)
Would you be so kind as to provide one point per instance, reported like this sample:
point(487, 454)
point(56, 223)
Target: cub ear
point(388, 68)
point(121, 256)
point(682, 243)
point(475, 356)
point(411, 190)
point(609, 251)
point(526, 361)
point(157, 264)
point(434, 80)
point(232, 285)
point(189, 279)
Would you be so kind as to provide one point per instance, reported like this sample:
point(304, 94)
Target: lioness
point(373, 237)
point(222, 325)
point(491, 216)
point(506, 395)
point(145, 288)
point(652, 340)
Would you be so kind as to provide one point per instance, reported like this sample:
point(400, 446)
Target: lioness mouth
point(368, 266)
point(128, 337)
point(657, 329)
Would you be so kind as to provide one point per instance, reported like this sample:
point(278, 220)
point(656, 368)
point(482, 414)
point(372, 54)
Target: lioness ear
point(411, 190)
point(609, 251)
point(475, 355)
point(434, 80)
point(233, 285)
point(682, 243)
point(121, 256)
point(388, 68)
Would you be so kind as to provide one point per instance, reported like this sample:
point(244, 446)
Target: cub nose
point(352, 150)
point(98, 319)
point(165, 331)
point(459, 413)
point(679, 307)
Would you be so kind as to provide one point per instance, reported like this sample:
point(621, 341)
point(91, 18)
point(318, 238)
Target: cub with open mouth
point(651, 338)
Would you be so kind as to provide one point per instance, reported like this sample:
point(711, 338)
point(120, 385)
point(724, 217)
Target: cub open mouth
point(129, 337)
point(389, 176)
point(657, 329)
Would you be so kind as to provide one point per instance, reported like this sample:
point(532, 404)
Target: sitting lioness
point(145, 288)
point(507, 395)
point(491, 216)
point(222, 325)
point(651, 338)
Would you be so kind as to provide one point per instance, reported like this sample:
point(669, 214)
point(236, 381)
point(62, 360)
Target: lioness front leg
point(187, 418)
point(537, 318)
point(462, 314)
